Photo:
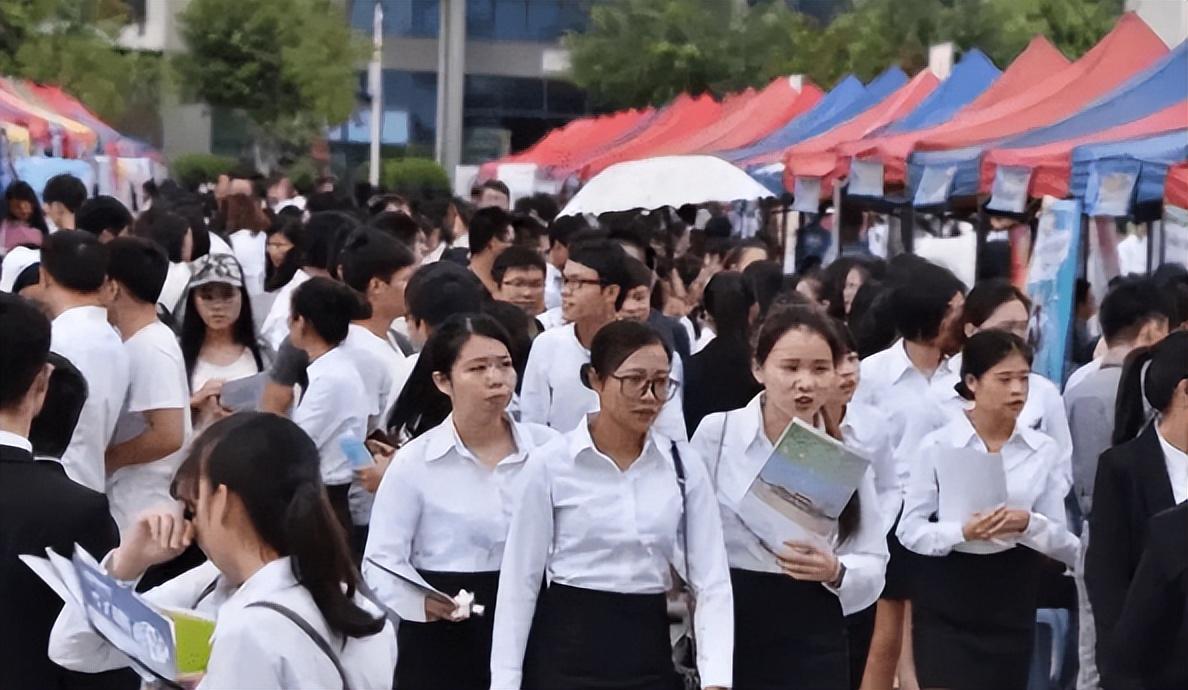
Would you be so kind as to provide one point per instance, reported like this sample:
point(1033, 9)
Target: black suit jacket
point(718, 379)
point(41, 507)
point(1151, 638)
point(1131, 487)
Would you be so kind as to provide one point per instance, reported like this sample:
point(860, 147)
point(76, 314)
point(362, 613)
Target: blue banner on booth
point(1051, 283)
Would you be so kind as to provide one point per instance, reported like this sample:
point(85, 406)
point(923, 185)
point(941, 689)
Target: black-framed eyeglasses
point(637, 385)
point(575, 283)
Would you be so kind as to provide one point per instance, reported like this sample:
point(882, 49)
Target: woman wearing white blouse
point(974, 611)
point(789, 601)
point(444, 507)
point(277, 562)
point(603, 517)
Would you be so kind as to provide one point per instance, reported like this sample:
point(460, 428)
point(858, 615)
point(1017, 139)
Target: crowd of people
point(310, 416)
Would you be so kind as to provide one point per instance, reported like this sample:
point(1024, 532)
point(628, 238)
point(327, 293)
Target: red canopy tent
point(1175, 186)
point(1051, 164)
point(559, 146)
point(825, 155)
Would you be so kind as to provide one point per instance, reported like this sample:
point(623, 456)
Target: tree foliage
point(644, 52)
point(289, 65)
point(72, 44)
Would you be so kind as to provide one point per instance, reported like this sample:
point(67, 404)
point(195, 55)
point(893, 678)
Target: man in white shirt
point(73, 282)
point(519, 274)
point(490, 235)
point(156, 422)
point(494, 193)
point(1132, 252)
point(560, 232)
point(105, 217)
point(63, 196)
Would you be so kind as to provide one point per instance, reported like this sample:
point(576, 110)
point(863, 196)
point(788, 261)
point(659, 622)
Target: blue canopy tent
point(1151, 90)
point(1152, 155)
point(972, 75)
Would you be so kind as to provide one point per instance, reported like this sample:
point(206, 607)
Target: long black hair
point(420, 405)
point(1168, 365)
point(22, 191)
point(293, 230)
point(193, 331)
point(273, 467)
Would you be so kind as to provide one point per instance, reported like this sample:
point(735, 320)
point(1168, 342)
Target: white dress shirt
point(177, 279)
point(1034, 483)
point(553, 392)
point(378, 365)
point(439, 508)
point(735, 448)
point(7, 438)
point(254, 647)
point(1177, 468)
point(218, 245)
point(551, 318)
point(158, 382)
point(83, 336)
point(276, 324)
point(1081, 372)
point(864, 429)
point(1043, 411)
point(585, 523)
point(553, 282)
point(334, 407)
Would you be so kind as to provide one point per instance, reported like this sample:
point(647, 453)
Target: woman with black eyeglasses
point(606, 515)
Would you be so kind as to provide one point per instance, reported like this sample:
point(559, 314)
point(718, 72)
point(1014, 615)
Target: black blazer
point(39, 507)
point(1131, 487)
point(718, 379)
point(1151, 638)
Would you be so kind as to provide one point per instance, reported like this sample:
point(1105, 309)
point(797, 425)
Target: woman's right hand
point(157, 536)
point(438, 610)
point(210, 389)
point(983, 526)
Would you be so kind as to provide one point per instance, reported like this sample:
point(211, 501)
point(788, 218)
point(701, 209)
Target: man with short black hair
point(73, 280)
point(561, 232)
point(494, 193)
point(155, 424)
point(519, 274)
point(40, 507)
point(105, 217)
point(490, 235)
point(435, 293)
point(63, 196)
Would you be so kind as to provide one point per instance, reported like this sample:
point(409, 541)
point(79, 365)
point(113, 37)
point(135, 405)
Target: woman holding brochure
point(790, 598)
point(279, 582)
point(443, 509)
point(974, 615)
point(608, 512)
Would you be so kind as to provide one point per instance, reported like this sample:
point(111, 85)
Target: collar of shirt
point(273, 577)
point(444, 437)
point(7, 438)
point(750, 422)
point(580, 442)
point(961, 434)
point(327, 362)
point(81, 314)
point(1177, 467)
point(900, 364)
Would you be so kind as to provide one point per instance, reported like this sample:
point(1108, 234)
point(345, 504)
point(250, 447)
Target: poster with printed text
point(1051, 283)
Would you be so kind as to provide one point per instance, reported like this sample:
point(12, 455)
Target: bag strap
point(309, 630)
point(679, 465)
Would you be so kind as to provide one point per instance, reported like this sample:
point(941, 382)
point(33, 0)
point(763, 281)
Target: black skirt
point(445, 655)
point(587, 639)
point(901, 568)
point(973, 619)
point(788, 634)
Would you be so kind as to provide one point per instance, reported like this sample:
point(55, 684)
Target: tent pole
point(980, 251)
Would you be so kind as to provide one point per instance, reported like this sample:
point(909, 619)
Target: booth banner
point(37, 170)
point(866, 178)
point(807, 195)
point(1009, 193)
point(464, 178)
point(935, 184)
point(1175, 235)
point(1104, 264)
point(1110, 187)
point(1051, 284)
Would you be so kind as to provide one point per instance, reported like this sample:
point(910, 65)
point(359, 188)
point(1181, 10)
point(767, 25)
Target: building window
point(408, 18)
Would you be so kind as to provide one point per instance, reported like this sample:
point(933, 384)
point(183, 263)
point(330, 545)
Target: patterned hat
point(216, 268)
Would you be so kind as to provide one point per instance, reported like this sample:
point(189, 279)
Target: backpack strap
point(309, 630)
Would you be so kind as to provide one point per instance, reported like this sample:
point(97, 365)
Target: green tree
point(291, 66)
point(71, 43)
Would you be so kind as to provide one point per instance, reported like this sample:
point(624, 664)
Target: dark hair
point(24, 347)
point(766, 280)
point(486, 225)
point(1165, 364)
point(166, 228)
point(518, 326)
point(440, 290)
point(65, 189)
point(102, 213)
point(294, 231)
point(398, 225)
point(638, 274)
point(420, 405)
point(377, 205)
point(21, 190)
point(1130, 306)
point(563, 228)
point(870, 318)
point(985, 350)
point(53, 427)
point(328, 307)
point(193, 331)
point(919, 304)
point(833, 283)
point(75, 260)
point(734, 256)
point(496, 186)
point(718, 227)
point(607, 259)
point(785, 319)
point(987, 296)
point(544, 206)
point(139, 265)
point(844, 336)
point(324, 234)
point(1177, 297)
point(523, 258)
point(370, 253)
point(244, 213)
point(273, 467)
point(615, 342)
point(728, 300)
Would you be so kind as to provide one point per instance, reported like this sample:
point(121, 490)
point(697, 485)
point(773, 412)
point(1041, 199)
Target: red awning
point(1175, 186)
point(767, 111)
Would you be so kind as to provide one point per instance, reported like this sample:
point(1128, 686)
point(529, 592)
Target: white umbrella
point(664, 181)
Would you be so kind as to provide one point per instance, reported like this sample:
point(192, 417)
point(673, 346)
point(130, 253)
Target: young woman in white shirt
point(333, 407)
point(973, 613)
point(445, 505)
point(218, 339)
point(606, 518)
point(260, 514)
point(790, 599)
